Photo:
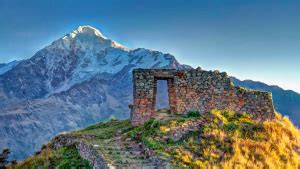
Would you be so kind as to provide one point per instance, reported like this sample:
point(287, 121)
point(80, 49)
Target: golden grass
point(275, 145)
point(281, 149)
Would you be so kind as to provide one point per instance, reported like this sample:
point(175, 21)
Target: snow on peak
point(87, 30)
point(85, 38)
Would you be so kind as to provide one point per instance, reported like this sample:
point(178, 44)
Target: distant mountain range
point(80, 79)
point(4, 67)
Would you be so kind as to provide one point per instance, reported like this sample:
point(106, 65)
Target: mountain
point(4, 67)
point(286, 102)
point(78, 80)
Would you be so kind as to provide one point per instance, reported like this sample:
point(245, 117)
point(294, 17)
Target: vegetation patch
point(105, 130)
point(193, 114)
point(65, 157)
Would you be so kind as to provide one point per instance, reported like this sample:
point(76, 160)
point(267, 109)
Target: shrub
point(193, 114)
point(231, 127)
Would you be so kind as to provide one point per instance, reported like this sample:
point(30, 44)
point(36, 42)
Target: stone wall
point(96, 159)
point(86, 151)
point(195, 90)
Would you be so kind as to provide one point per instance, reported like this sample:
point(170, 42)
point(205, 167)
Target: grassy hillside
point(225, 140)
point(219, 139)
point(66, 157)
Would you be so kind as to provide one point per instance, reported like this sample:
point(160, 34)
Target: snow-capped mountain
point(79, 79)
point(73, 59)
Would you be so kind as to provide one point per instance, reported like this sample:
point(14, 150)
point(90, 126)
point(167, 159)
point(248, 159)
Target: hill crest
point(221, 139)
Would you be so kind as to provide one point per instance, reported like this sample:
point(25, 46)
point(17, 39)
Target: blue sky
point(257, 39)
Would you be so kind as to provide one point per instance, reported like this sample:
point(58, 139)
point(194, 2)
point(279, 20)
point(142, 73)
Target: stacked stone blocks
point(195, 90)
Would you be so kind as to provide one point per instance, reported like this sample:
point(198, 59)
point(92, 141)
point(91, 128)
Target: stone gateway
point(195, 90)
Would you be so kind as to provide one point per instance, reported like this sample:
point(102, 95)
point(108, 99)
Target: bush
point(3, 158)
point(193, 114)
point(231, 127)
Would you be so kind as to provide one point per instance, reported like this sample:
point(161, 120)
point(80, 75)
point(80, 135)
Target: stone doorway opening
point(162, 100)
point(164, 95)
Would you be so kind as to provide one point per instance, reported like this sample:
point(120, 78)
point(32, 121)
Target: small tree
point(4, 158)
point(14, 162)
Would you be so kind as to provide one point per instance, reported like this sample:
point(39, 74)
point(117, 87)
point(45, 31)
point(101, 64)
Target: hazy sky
point(254, 39)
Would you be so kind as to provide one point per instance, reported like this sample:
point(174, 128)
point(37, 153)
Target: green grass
point(105, 130)
point(64, 158)
point(68, 157)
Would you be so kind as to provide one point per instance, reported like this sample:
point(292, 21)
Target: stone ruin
point(195, 90)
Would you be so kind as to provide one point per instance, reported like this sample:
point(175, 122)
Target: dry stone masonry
point(195, 90)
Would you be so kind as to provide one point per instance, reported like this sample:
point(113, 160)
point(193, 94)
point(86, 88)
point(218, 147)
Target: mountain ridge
point(4, 67)
point(265, 84)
